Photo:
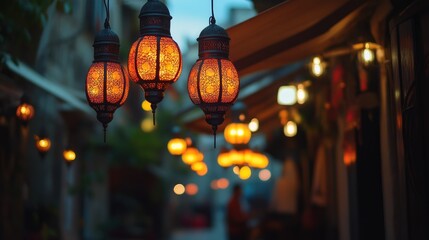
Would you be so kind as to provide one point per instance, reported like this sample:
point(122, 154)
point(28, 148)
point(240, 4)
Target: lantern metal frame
point(155, 20)
point(213, 43)
point(106, 50)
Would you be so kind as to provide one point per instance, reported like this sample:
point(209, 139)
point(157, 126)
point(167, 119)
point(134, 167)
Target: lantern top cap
point(154, 8)
point(106, 35)
point(213, 30)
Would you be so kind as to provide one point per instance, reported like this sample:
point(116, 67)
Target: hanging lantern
point(317, 66)
point(223, 159)
point(258, 160)
point(366, 52)
point(213, 82)
point(192, 155)
point(237, 133)
point(25, 111)
point(154, 61)
point(106, 82)
point(176, 146)
point(69, 156)
point(43, 143)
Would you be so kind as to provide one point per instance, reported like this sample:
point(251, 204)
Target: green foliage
point(21, 24)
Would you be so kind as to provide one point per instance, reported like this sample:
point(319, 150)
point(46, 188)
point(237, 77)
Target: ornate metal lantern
point(154, 61)
point(213, 82)
point(25, 111)
point(106, 82)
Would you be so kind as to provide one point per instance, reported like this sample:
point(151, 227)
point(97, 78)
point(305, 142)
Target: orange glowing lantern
point(237, 133)
point(69, 156)
point(25, 111)
point(176, 146)
point(258, 160)
point(154, 61)
point(224, 160)
point(43, 143)
point(213, 82)
point(192, 155)
point(106, 82)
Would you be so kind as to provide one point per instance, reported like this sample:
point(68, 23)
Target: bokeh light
point(265, 175)
point(254, 125)
point(191, 189)
point(245, 173)
point(179, 189)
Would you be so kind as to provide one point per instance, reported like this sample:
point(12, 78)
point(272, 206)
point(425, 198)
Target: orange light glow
point(112, 92)
point(245, 173)
point(69, 155)
point(198, 166)
point(43, 144)
point(192, 155)
point(176, 146)
point(222, 183)
point(25, 112)
point(224, 159)
point(206, 81)
point(237, 133)
point(258, 160)
point(203, 171)
point(191, 189)
point(146, 106)
point(147, 63)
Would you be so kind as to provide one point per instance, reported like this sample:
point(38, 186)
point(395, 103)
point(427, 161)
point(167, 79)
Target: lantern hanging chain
point(212, 19)
point(107, 20)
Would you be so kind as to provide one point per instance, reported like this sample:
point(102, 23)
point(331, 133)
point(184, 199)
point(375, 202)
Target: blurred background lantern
point(154, 60)
point(366, 52)
point(25, 111)
point(69, 156)
point(192, 155)
point(224, 160)
point(213, 82)
point(237, 132)
point(317, 66)
point(42, 142)
point(106, 82)
point(290, 129)
point(176, 146)
point(301, 94)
